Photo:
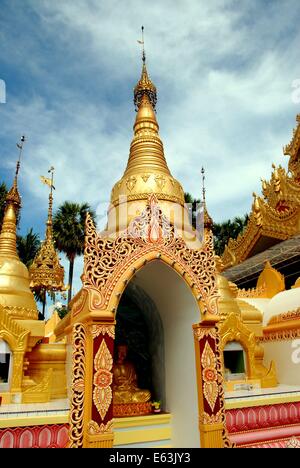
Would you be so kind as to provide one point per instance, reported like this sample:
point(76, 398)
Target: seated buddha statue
point(125, 387)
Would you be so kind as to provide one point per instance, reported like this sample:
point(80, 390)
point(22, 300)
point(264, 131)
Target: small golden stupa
point(15, 294)
point(46, 273)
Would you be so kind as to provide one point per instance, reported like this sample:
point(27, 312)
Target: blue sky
point(224, 72)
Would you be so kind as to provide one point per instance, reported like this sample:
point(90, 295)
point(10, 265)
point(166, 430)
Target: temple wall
point(178, 311)
point(286, 355)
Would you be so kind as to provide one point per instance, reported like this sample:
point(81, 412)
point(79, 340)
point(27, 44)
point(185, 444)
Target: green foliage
point(68, 231)
point(62, 312)
point(222, 231)
point(226, 230)
point(68, 228)
point(28, 247)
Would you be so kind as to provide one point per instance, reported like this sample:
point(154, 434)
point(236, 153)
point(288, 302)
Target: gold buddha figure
point(125, 388)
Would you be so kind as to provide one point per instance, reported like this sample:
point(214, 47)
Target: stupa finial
point(144, 85)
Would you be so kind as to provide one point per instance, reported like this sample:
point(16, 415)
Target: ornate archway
point(109, 266)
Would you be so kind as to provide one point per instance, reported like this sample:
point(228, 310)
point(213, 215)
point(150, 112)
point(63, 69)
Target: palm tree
point(3, 193)
point(28, 247)
point(68, 230)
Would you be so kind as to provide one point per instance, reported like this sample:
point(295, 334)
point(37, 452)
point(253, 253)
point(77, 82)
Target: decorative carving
point(132, 409)
point(145, 177)
point(209, 373)
point(293, 315)
point(41, 392)
point(130, 182)
point(211, 419)
point(233, 329)
point(46, 273)
point(146, 195)
point(78, 381)
point(293, 150)
point(97, 330)
point(102, 394)
point(107, 259)
point(282, 327)
point(211, 361)
point(95, 429)
point(252, 293)
point(145, 87)
point(160, 181)
point(78, 302)
point(21, 312)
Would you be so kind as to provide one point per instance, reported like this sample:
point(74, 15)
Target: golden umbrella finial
point(208, 222)
point(144, 85)
point(46, 273)
point(13, 196)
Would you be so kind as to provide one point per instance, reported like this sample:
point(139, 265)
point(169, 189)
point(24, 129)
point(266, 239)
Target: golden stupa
point(147, 171)
point(15, 294)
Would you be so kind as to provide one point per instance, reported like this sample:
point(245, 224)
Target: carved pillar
point(91, 409)
point(100, 421)
point(210, 386)
point(17, 373)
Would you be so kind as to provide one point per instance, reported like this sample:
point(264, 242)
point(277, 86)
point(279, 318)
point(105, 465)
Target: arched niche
point(178, 311)
point(147, 342)
point(6, 365)
point(235, 361)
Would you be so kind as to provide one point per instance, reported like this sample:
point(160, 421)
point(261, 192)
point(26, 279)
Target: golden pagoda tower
point(15, 294)
point(46, 273)
point(147, 171)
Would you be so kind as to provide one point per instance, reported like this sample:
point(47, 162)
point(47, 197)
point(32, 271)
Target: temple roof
point(284, 256)
point(275, 216)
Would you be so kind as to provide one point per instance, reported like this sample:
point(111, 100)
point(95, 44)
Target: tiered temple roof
point(275, 215)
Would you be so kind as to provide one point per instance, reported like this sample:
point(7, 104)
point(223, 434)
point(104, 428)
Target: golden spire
point(147, 171)
point(8, 236)
point(208, 222)
point(144, 85)
point(46, 273)
point(15, 294)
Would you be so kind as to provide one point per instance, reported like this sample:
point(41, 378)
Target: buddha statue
point(125, 388)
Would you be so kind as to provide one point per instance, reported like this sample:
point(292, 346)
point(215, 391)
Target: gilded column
point(99, 419)
point(212, 424)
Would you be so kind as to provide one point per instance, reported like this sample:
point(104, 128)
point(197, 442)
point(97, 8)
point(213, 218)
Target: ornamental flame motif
point(210, 376)
point(106, 260)
point(102, 394)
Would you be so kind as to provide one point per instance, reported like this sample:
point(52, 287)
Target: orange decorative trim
point(132, 409)
point(106, 260)
point(282, 327)
point(78, 381)
point(293, 315)
point(252, 293)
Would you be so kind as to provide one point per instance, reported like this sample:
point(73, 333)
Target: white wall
point(179, 311)
point(286, 355)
